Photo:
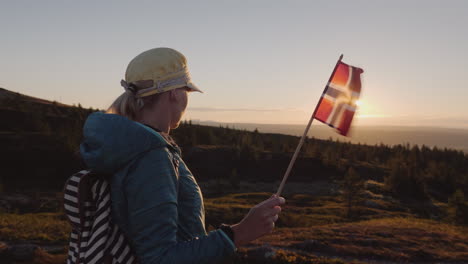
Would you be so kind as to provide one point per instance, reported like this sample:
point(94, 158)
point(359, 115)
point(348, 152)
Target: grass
point(311, 229)
point(301, 210)
point(42, 227)
point(396, 239)
point(281, 256)
point(312, 224)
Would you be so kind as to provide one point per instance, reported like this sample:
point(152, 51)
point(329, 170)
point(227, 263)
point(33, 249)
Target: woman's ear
point(176, 94)
point(173, 95)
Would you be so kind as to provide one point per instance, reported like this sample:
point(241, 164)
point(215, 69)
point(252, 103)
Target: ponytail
point(129, 105)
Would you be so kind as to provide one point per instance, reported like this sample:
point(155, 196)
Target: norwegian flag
point(337, 106)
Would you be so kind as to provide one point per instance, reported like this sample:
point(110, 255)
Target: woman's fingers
point(260, 220)
point(274, 211)
point(274, 218)
point(272, 201)
point(277, 209)
point(270, 209)
point(271, 212)
point(271, 206)
point(270, 227)
point(269, 219)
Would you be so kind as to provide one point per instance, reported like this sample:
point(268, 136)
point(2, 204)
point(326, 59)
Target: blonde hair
point(129, 105)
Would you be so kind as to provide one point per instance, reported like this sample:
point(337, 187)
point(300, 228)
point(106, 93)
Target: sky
point(256, 61)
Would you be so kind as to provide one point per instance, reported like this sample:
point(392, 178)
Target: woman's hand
point(259, 221)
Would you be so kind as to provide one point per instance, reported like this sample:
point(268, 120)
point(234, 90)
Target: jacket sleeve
point(151, 191)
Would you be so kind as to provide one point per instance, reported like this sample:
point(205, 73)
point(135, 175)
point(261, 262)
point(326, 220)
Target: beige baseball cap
point(157, 70)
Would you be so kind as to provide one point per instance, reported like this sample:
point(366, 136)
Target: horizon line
point(325, 126)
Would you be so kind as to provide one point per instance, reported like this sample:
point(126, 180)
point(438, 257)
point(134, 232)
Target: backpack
point(94, 237)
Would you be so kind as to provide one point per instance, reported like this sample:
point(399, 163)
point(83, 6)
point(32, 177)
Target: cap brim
point(194, 88)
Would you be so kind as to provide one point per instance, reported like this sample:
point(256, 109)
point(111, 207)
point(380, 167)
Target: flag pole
point(301, 142)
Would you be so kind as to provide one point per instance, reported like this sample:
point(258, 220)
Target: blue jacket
point(160, 211)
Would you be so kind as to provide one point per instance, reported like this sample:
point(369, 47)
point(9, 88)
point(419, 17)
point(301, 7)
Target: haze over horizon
point(257, 62)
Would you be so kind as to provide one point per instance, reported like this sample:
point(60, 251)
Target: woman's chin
point(176, 125)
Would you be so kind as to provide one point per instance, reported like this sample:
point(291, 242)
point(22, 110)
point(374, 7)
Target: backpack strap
point(77, 196)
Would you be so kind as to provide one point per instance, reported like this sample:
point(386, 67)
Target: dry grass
point(396, 239)
point(45, 227)
point(255, 255)
point(311, 229)
point(301, 210)
point(42, 257)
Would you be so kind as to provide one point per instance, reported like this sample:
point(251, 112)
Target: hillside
point(346, 203)
point(6, 95)
point(40, 141)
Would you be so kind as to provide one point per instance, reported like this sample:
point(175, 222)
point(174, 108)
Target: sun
point(363, 107)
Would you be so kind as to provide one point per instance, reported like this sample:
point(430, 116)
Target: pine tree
point(458, 208)
point(352, 186)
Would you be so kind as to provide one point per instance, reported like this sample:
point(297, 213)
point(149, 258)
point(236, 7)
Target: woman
point(155, 199)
